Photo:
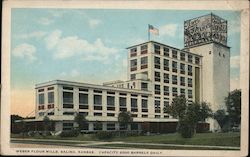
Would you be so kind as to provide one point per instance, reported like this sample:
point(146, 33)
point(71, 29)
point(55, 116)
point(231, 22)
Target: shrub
point(186, 130)
point(104, 135)
point(70, 133)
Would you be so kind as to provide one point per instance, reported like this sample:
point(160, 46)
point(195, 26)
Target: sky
point(89, 45)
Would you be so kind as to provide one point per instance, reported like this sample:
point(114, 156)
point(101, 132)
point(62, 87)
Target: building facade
point(156, 74)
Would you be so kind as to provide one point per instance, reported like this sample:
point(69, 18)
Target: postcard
point(125, 78)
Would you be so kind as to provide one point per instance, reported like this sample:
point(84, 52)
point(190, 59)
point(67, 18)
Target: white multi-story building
point(156, 74)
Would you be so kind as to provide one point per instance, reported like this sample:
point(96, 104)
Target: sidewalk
point(99, 144)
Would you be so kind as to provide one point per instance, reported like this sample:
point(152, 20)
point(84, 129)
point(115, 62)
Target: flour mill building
point(157, 73)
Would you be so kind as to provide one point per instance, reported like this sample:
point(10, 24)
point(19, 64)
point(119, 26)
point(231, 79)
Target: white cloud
point(64, 47)
point(25, 51)
point(168, 30)
point(53, 39)
point(235, 61)
point(45, 21)
point(234, 84)
point(93, 23)
point(36, 34)
point(70, 74)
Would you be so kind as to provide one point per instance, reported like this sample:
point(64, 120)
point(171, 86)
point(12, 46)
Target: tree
point(189, 115)
point(221, 117)
point(80, 119)
point(197, 112)
point(125, 118)
point(46, 124)
point(177, 108)
point(233, 104)
point(15, 128)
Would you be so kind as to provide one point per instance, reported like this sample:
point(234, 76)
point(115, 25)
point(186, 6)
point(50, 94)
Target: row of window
point(83, 102)
point(157, 65)
point(100, 126)
point(50, 98)
point(166, 79)
point(157, 50)
point(166, 91)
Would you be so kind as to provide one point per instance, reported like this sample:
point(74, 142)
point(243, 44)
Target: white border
point(171, 5)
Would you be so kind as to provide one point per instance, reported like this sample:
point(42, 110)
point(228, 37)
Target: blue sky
point(89, 45)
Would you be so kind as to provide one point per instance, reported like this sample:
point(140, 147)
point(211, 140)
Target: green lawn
point(211, 139)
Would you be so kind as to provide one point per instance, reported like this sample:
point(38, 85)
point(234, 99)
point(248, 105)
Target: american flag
point(153, 30)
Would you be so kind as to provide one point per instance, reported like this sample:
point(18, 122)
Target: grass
point(156, 147)
point(211, 139)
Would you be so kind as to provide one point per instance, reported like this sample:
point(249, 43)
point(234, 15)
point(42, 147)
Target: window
point(157, 106)
point(50, 106)
point(157, 49)
point(190, 82)
point(182, 79)
point(110, 114)
point(97, 91)
point(68, 126)
point(144, 62)
point(190, 70)
point(68, 88)
point(144, 105)
point(144, 116)
point(111, 103)
point(41, 99)
point(182, 92)
point(98, 126)
point(132, 76)
point(51, 97)
point(197, 60)
point(111, 126)
point(97, 114)
point(83, 98)
point(174, 54)
point(97, 102)
point(166, 51)
point(134, 105)
point(190, 58)
point(166, 90)
point(182, 68)
point(50, 88)
point(40, 90)
point(174, 79)
point(174, 66)
point(51, 113)
point(175, 92)
point(183, 56)
point(97, 99)
point(83, 90)
point(157, 76)
point(166, 64)
point(166, 104)
point(190, 94)
point(144, 86)
point(166, 78)
point(157, 89)
point(122, 104)
point(133, 65)
point(68, 100)
point(133, 52)
point(144, 49)
point(157, 61)
point(157, 116)
point(68, 113)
